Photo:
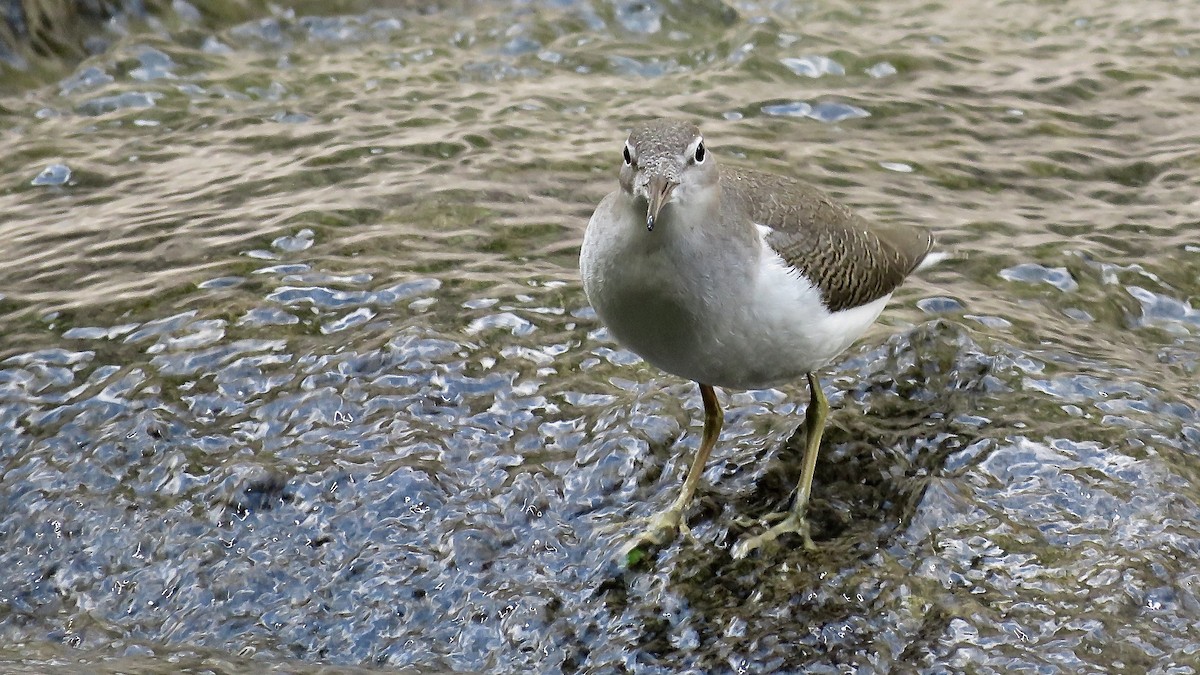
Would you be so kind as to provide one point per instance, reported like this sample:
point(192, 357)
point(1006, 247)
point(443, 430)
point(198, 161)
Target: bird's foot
point(659, 529)
point(791, 522)
point(747, 521)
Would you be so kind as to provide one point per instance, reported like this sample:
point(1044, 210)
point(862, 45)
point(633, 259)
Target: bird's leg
point(795, 520)
point(663, 526)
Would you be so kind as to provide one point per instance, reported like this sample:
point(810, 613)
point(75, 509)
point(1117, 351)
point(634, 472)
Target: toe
point(791, 524)
point(659, 530)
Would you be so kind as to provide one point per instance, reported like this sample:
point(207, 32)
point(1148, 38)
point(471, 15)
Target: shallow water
point(297, 372)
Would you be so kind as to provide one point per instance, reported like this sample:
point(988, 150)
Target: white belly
point(736, 324)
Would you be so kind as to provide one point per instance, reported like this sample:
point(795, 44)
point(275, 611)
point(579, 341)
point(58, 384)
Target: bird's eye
point(700, 152)
point(628, 157)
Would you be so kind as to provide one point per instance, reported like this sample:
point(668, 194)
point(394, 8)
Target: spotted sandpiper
point(739, 279)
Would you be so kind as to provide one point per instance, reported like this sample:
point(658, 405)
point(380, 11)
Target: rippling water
point(296, 369)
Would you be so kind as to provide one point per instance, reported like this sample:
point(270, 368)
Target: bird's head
point(666, 164)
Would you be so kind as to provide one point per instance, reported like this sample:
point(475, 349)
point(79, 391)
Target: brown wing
point(850, 260)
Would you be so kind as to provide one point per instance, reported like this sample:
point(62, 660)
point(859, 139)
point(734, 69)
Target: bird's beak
point(660, 190)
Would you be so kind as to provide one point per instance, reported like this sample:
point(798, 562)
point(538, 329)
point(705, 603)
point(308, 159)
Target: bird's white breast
point(722, 311)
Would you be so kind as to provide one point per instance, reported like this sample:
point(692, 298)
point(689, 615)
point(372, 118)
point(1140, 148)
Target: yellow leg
point(662, 527)
point(795, 520)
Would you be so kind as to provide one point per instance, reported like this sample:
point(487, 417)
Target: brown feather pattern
point(850, 260)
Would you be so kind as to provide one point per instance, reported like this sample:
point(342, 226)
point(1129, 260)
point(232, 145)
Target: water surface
point(297, 372)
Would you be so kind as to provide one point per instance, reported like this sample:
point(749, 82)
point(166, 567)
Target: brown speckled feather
point(850, 260)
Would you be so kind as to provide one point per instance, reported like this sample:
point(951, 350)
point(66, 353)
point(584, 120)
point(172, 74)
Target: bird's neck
point(696, 231)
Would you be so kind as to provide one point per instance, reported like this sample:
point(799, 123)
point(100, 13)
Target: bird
point(738, 279)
